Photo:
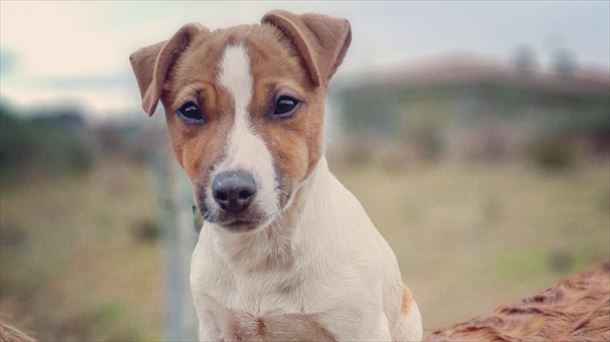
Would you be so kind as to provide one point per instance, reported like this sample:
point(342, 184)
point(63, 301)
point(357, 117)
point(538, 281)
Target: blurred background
point(475, 134)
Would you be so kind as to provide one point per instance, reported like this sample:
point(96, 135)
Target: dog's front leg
point(209, 330)
point(381, 332)
point(209, 334)
point(207, 311)
point(375, 330)
point(355, 324)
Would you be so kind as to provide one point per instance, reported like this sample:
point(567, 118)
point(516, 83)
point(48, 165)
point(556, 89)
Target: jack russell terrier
point(286, 252)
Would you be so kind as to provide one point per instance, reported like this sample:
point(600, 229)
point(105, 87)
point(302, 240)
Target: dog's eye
point(285, 106)
point(190, 112)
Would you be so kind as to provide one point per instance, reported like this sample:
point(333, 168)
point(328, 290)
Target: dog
point(286, 252)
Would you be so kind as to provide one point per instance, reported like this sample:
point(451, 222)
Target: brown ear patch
point(321, 41)
point(152, 64)
point(143, 64)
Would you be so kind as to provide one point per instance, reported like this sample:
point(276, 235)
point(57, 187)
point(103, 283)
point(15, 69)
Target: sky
point(77, 52)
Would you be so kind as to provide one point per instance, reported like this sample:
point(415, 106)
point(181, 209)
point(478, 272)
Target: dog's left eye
point(190, 112)
point(285, 106)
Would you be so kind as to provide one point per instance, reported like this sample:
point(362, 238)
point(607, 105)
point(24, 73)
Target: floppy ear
point(151, 64)
point(322, 41)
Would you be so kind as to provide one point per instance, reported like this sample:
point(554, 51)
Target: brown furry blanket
point(575, 309)
point(10, 334)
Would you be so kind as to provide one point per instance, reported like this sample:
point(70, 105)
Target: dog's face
point(244, 108)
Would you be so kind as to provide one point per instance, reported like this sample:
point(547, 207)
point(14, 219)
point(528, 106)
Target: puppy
point(286, 252)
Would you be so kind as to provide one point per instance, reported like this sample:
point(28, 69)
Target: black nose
point(234, 190)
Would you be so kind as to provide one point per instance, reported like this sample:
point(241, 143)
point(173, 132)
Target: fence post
point(176, 217)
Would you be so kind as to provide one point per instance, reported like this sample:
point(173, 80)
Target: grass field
point(73, 268)
point(468, 238)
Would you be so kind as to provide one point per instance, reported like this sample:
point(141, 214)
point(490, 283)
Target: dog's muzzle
point(234, 201)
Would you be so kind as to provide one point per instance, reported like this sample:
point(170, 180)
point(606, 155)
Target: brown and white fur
point(303, 261)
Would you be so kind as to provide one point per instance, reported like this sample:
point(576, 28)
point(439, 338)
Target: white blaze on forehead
point(235, 76)
point(245, 149)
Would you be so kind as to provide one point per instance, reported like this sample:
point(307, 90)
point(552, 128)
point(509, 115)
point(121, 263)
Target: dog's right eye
point(190, 113)
point(285, 106)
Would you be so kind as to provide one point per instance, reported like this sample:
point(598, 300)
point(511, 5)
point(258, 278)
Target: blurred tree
point(524, 59)
point(564, 61)
point(42, 145)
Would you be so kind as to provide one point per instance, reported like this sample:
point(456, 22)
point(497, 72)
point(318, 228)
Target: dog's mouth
point(239, 225)
point(242, 222)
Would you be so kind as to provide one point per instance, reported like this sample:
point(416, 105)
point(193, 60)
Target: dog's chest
point(263, 311)
point(258, 294)
point(255, 274)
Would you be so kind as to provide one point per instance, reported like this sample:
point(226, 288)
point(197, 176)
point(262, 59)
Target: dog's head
point(245, 108)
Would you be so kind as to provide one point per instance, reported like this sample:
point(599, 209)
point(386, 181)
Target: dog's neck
point(275, 246)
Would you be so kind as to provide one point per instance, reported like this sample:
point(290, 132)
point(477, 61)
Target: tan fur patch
point(407, 298)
